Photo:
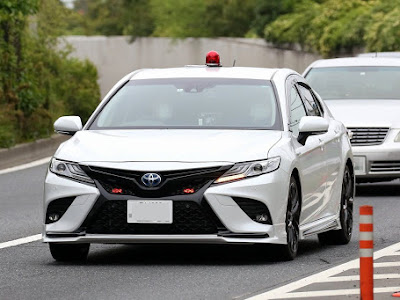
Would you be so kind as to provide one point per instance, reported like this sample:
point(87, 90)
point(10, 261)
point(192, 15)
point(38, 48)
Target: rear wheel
point(343, 235)
point(289, 251)
point(69, 252)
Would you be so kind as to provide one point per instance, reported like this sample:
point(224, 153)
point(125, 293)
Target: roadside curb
point(24, 153)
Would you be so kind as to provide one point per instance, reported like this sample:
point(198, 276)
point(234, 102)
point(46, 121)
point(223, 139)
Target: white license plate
point(359, 165)
point(150, 211)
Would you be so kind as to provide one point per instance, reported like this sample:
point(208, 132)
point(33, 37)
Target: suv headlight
point(249, 169)
point(69, 169)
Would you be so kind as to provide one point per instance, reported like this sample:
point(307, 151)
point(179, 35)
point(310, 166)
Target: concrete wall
point(116, 56)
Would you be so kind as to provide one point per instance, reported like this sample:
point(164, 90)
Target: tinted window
point(297, 110)
point(309, 102)
point(356, 82)
point(191, 102)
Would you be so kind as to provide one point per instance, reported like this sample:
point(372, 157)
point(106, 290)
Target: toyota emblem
point(151, 179)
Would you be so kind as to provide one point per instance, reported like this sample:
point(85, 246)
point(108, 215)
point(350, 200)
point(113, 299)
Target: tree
point(39, 82)
point(331, 27)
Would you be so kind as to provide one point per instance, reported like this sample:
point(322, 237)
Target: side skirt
point(319, 226)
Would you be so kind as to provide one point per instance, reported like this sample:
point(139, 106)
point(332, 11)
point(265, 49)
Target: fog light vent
point(256, 210)
point(57, 208)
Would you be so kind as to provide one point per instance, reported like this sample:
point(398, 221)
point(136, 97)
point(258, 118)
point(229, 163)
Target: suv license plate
point(149, 211)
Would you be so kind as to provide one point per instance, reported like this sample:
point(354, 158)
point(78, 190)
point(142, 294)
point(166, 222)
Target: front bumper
point(378, 162)
point(238, 226)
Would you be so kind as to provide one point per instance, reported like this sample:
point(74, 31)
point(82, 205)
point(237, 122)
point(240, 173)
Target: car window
point(309, 101)
point(341, 83)
point(318, 100)
point(191, 103)
point(297, 110)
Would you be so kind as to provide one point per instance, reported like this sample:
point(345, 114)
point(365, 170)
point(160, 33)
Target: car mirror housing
point(311, 125)
point(68, 125)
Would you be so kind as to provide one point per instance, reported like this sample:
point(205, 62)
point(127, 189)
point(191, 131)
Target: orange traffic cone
point(397, 294)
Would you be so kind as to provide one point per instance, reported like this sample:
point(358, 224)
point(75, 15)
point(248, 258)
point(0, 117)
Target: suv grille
point(188, 218)
point(368, 136)
point(173, 182)
point(385, 166)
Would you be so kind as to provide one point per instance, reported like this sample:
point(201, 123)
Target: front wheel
point(289, 250)
point(343, 235)
point(69, 252)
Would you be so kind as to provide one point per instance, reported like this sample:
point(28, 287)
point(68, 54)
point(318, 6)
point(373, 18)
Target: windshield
point(356, 82)
point(191, 103)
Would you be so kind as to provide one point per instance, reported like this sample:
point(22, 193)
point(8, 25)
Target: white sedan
point(364, 93)
point(201, 154)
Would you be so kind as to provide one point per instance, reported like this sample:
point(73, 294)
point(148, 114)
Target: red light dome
point(212, 59)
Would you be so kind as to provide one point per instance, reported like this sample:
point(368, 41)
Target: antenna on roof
point(234, 62)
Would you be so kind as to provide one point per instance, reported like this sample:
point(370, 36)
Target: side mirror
point(68, 125)
point(311, 125)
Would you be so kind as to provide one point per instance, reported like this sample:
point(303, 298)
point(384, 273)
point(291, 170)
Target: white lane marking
point(284, 291)
point(25, 240)
point(357, 277)
point(387, 264)
point(327, 293)
point(26, 166)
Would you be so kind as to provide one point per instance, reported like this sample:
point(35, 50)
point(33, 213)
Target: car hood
point(167, 145)
point(366, 113)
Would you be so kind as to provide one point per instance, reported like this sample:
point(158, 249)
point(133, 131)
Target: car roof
point(380, 54)
point(205, 72)
point(356, 62)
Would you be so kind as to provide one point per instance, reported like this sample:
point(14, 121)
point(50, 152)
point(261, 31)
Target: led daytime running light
point(249, 169)
point(69, 169)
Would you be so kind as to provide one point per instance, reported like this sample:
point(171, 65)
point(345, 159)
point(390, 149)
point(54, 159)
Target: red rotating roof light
point(212, 59)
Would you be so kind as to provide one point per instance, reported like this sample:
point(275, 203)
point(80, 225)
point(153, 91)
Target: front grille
point(385, 166)
point(368, 136)
point(173, 182)
point(256, 210)
point(188, 218)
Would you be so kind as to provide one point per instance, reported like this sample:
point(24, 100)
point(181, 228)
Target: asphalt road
point(163, 271)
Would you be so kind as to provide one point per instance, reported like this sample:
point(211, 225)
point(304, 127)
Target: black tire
point(289, 250)
point(69, 252)
point(342, 236)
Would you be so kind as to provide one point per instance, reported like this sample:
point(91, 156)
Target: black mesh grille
point(254, 208)
point(188, 218)
point(173, 182)
point(58, 207)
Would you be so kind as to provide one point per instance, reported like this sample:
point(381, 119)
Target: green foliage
point(178, 18)
point(38, 82)
point(268, 11)
point(202, 18)
point(111, 17)
point(294, 27)
point(384, 27)
point(78, 87)
point(334, 26)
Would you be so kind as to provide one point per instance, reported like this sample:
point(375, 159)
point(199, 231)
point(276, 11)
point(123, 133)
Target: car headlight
point(249, 169)
point(69, 169)
point(397, 138)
